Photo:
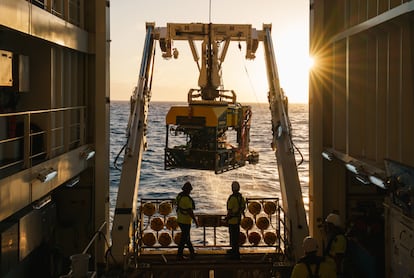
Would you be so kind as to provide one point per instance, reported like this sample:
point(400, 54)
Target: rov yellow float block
point(233, 115)
point(214, 116)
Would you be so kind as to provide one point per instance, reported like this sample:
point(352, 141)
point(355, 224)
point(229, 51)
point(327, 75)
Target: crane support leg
point(282, 141)
point(126, 203)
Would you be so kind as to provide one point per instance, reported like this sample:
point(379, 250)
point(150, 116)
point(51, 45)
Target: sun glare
point(311, 62)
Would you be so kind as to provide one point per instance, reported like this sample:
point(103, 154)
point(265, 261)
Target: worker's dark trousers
point(234, 231)
point(185, 239)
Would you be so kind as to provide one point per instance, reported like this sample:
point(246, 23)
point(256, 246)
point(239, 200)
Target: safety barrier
point(28, 138)
point(262, 227)
point(70, 10)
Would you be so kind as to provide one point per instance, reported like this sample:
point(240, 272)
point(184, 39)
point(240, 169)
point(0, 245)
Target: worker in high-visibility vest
point(336, 242)
point(185, 215)
point(311, 265)
point(236, 204)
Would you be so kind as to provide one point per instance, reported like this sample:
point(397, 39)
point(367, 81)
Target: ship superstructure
point(53, 89)
point(361, 129)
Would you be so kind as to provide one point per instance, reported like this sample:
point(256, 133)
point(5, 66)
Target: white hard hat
point(334, 219)
point(310, 245)
point(235, 186)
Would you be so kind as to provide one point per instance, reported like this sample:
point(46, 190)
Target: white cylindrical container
point(80, 265)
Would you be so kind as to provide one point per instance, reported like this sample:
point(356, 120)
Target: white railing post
point(66, 132)
point(27, 139)
point(82, 129)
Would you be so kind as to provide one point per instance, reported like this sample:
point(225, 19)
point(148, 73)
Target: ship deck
point(210, 263)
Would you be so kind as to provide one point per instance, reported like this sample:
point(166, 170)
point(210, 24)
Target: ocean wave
point(210, 190)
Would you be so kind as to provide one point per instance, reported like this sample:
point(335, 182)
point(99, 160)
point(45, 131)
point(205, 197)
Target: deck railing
point(69, 10)
point(156, 227)
point(30, 137)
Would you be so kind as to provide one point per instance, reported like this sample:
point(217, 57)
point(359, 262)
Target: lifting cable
point(293, 143)
point(118, 155)
point(298, 150)
point(255, 94)
point(148, 96)
point(247, 73)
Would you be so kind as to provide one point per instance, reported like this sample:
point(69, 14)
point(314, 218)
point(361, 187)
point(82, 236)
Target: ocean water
point(210, 191)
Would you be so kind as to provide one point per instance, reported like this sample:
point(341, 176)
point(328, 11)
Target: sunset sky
point(173, 78)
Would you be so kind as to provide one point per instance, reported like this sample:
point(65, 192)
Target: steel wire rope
point(247, 73)
point(257, 102)
point(254, 93)
point(261, 106)
point(148, 96)
point(298, 150)
point(293, 143)
point(118, 155)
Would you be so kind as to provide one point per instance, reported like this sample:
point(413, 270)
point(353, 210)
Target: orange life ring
point(269, 207)
point(270, 238)
point(149, 239)
point(247, 223)
point(262, 223)
point(148, 209)
point(242, 238)
point(177, 238)
point(254, 238)
point(165, 208)
point(164, 239)
point(254, 208)
point(172, 223)
point(157, 224)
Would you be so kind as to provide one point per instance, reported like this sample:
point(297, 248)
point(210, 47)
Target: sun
point(311, 63)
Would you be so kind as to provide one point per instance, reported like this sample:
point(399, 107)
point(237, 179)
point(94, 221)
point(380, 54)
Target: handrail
point(41, 111)
point(69, 10)
point(220, 99)
point(98, 232)
point(150, 208)
point(29, 137)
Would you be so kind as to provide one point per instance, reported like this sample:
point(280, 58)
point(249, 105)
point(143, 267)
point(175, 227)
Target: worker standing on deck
point(185, 206)
point(335, 248)
point(236, 205)
point(312, 265)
